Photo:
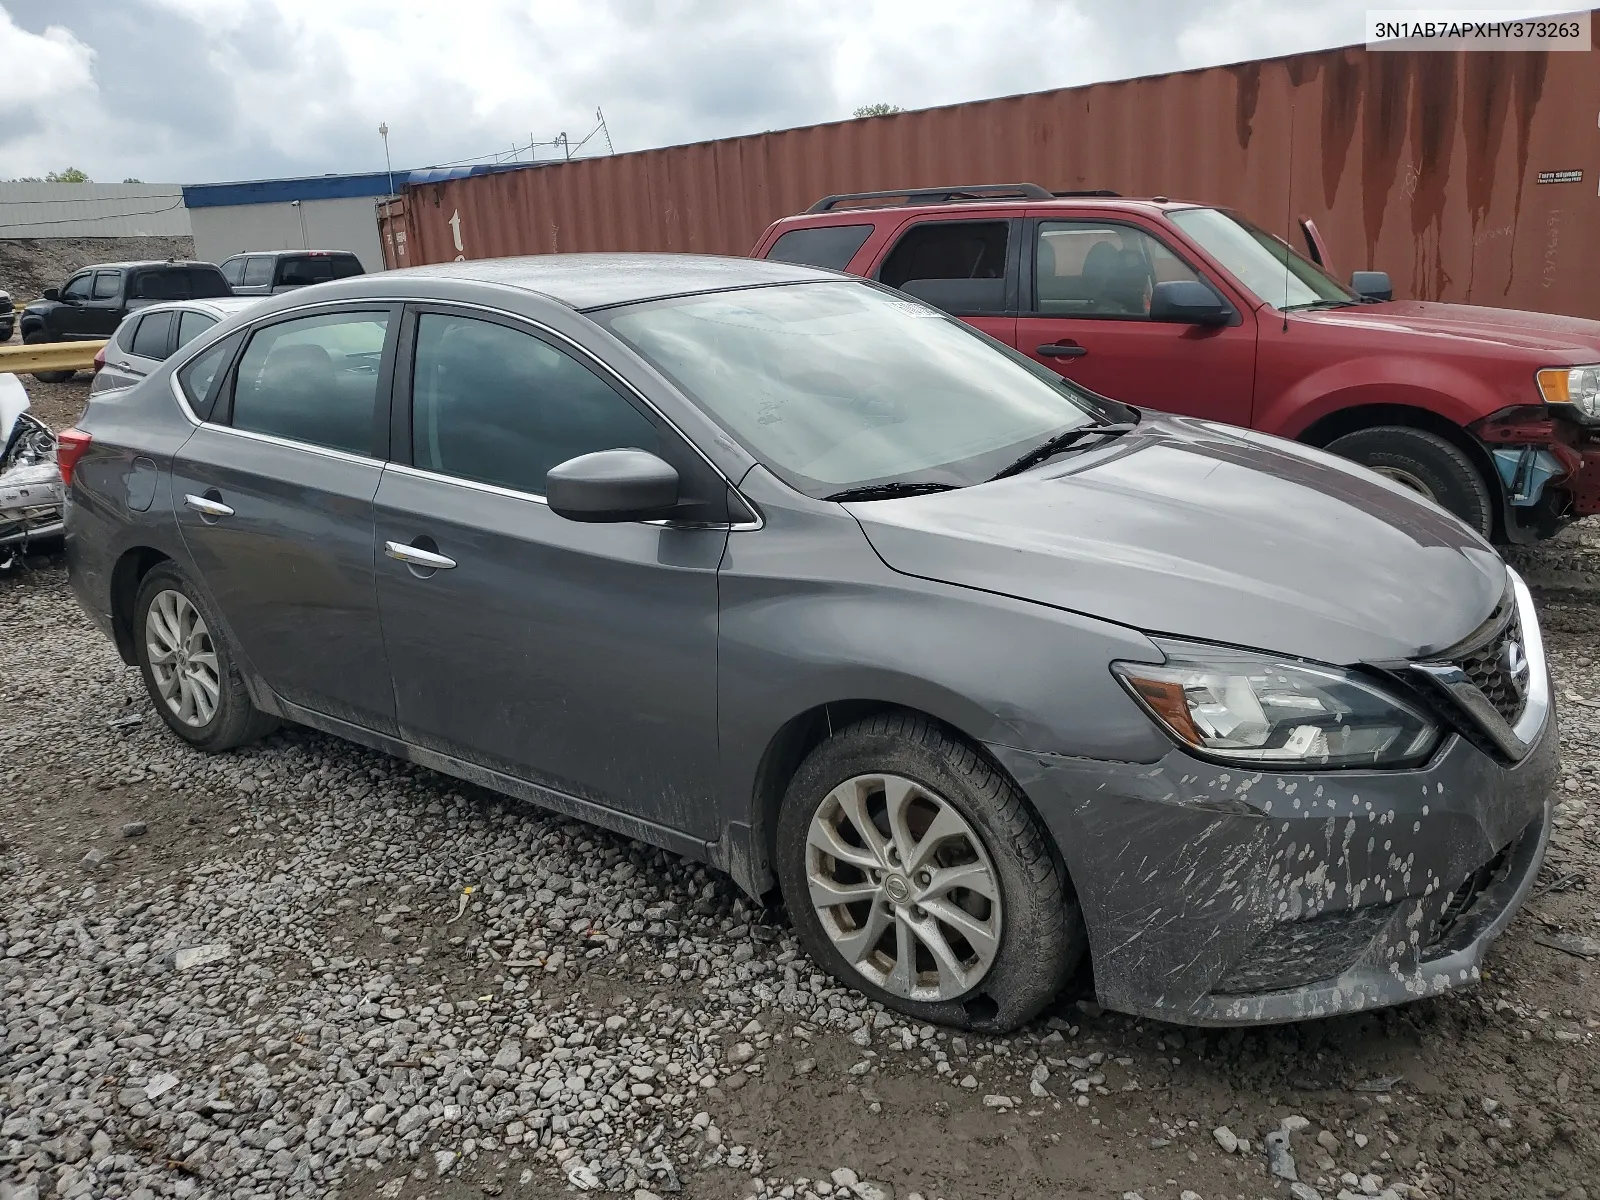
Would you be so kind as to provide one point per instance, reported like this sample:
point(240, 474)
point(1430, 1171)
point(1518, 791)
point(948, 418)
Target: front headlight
point(1242, 706)
point(1577, 386)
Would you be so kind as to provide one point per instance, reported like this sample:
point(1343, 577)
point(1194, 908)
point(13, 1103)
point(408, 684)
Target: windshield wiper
point(1310, 304)
point(890, 491)
point(1062, 441)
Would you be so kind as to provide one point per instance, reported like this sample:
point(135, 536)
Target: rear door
point(967, 266)
point(140, 345)
point(1085, 312)
point(573, 656)
point(257, 277)
point(274, 494)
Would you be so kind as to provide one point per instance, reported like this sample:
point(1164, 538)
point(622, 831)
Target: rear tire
point(1427, 464)
point(39, 339)
point(1026, 942)
point(189, 669)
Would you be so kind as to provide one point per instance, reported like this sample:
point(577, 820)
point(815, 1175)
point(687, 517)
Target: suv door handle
point(208, 508)
point(417, 557)
point(1061, 350)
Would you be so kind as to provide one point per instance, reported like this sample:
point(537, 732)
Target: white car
point(149, 336)
point(30, 483)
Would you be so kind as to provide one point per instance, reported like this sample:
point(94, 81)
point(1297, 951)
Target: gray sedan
point(991, 677)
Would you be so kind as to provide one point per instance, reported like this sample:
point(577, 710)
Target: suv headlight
point(1577, 386)
point(1241, 706)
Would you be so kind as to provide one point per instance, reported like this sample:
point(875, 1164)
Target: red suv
point(1493, 414)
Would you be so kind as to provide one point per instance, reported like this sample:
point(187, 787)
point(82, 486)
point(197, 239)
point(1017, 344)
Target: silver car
point(148, 337)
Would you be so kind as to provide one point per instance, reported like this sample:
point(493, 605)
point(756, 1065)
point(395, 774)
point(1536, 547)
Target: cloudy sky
point(192, 91)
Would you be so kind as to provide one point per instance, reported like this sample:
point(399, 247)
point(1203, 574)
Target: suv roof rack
point(941, 195)
point(1089, 192)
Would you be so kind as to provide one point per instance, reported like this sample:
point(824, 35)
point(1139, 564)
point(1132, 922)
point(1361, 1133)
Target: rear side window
point(150, 339)
point(257, 271)
point(299, 272)
point(958, 266)
point(313, 380)
point(161, 285)
point(200, 378)
point(190, 326)
point(500, 406)
point(233, 271)
point(829, 246)
point(206, 283)
point(106, 285)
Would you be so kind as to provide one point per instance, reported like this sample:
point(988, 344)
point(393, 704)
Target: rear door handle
point(208, 508)
point(1058, 350)
point(416, 557)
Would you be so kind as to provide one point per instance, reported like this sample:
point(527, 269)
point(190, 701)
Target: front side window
point(829, 246)
point(1100, 269)
point(106, 285)
point(494, 404)
point(959, 266)
point(313, 380)
point(150, 339)
point(190, 326)
point(838, 385)
point(78, 289)
point(257, 271)
point(1262, 262)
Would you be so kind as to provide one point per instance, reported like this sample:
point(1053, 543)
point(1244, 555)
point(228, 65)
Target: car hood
point(1571, 339)
point(1207, 532)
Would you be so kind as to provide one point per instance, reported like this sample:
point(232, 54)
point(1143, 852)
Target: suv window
point(190, 326)
point(313, 380)
point(78, 289)
point(959, 266)
point(161, 285)
point(497, 405)
point(233, 271)
point(298, 271)
point(830, 246)
point(150, 339)
point(107, 284)
point(206, 283)
point(257, 270)
point(1100, 269)
point(199, 376)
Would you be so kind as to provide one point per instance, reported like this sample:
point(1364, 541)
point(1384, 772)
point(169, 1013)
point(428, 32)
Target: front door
point(274, 495)
point(70, 317)
point(577, 657)
point(1085, 313)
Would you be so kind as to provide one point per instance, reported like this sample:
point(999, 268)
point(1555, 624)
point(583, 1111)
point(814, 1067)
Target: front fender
point(1439, 388)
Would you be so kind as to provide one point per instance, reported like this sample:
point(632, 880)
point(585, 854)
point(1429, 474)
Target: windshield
point(840, 385)
point(1257, 259)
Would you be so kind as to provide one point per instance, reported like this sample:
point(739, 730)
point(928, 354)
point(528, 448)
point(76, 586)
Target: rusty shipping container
point(1469, 177)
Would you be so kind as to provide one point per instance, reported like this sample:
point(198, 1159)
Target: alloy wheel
point(183, 659)
point(903, 887)
point(1407, 480)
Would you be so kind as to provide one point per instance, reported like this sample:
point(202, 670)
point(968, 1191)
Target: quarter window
point(313, 380)
point(190, 326)
point(497, 405)
point(150, 339)
point(199, 377)
point(830, 246)
point(1100, 269)
point(106, 285)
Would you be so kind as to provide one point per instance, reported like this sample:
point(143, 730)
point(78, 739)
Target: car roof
point(147, 262)
point(282, 253)
point(837, 216)
point(588, 281)
point(218, 306)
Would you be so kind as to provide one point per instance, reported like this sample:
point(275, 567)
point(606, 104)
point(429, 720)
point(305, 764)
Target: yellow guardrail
point(48, 356)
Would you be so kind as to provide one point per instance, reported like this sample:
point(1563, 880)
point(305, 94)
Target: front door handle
point(207, 508)
point(417, 557)
point(1061, 350)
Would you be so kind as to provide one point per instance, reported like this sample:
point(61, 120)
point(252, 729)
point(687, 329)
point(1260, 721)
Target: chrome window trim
point(586, 354)
point(289, 444)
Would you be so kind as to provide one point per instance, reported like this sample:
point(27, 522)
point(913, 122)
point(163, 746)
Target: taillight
point(99, 359)
point(70, 447)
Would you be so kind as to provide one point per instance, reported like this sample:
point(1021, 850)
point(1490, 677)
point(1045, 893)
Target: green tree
point(70, 175)
point(131, 179)
point(877, 110)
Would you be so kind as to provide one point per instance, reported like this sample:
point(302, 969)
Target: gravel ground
point(306, 969)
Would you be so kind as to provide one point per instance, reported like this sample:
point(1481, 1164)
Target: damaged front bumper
point(31, 494)
point(1548, 468)
point(1218, 896)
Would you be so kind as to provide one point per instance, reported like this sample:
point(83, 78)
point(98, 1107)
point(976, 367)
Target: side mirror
point(1187, 302)
point(1372, 285)
point(53, 294)
point(612, 485)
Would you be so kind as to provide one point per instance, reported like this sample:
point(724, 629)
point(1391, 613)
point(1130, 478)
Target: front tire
point(915, 871)
point(1427, 464)
point(189, 668)
point(41, 338)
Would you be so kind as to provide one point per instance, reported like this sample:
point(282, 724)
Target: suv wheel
point(189, 668)
point(37, 338)
point(915, 872)
point(1427, 464)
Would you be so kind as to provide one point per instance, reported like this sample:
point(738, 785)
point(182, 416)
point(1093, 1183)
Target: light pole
point(383, 132)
